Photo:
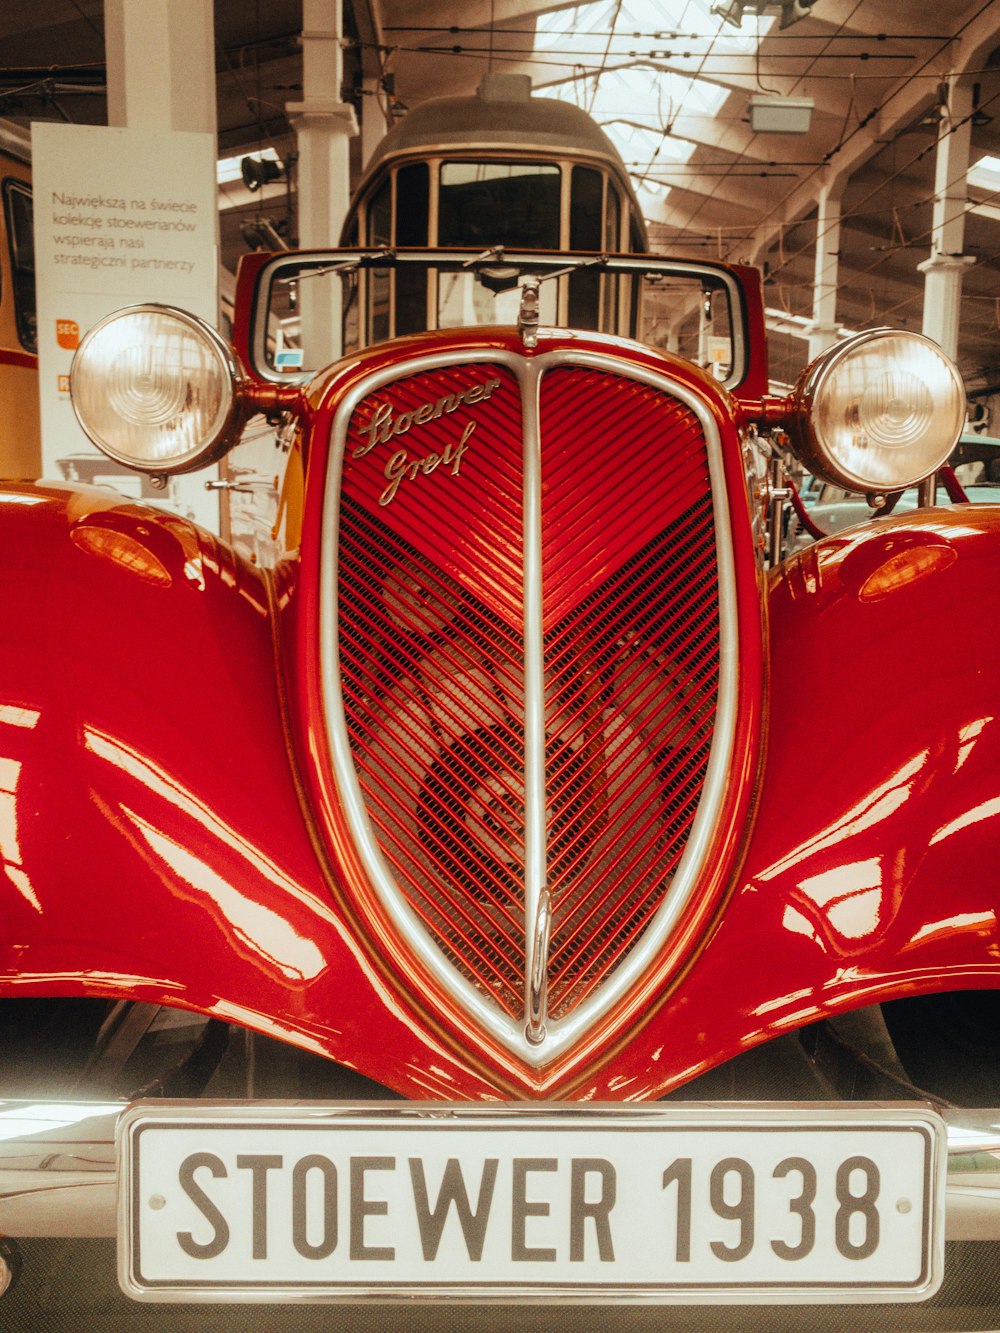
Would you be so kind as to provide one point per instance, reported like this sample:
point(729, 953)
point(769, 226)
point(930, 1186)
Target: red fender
point(872, 873)
point(154, 845)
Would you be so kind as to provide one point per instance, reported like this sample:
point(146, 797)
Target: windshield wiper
point(369, 259)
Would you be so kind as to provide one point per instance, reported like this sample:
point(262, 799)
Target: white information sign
point(121, 216)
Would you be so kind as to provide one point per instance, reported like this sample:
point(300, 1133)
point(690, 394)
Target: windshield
point(314, 308)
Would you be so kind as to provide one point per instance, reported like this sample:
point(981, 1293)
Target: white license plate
point(647, 1203)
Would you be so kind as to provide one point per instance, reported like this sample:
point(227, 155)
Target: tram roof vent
point(505, 88)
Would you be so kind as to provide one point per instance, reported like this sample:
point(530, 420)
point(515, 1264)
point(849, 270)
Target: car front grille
point(439, 602)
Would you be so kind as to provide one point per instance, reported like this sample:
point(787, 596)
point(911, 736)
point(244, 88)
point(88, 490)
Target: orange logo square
point(68, 334)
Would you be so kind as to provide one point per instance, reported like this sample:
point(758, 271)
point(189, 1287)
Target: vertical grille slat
point(431, 630)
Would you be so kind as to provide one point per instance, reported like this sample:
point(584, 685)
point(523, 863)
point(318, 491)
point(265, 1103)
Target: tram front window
point(514, 204)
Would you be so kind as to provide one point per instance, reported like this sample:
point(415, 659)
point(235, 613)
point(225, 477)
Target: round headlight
point(156, 388)
point(879, 411)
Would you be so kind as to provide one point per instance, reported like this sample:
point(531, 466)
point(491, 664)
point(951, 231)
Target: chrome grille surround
point(533, 1039)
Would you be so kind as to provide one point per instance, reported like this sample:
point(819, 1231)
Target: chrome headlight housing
point(157, 389)
point(878, 412)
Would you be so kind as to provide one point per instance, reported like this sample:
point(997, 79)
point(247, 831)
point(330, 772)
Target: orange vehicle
point(20, 454)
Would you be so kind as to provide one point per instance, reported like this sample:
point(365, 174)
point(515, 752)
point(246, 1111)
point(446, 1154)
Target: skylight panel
point(622, 74)
point(985, 174)
point(628, 66)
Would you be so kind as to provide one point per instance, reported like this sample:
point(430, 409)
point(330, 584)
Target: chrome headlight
point(157, 389)
point(878, 412)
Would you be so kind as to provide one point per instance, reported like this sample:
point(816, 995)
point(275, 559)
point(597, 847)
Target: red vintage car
point(521, 885)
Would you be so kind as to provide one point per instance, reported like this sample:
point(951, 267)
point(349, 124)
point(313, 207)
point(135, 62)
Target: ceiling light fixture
point(781, 115)
point(258, 171)
point(229, 169)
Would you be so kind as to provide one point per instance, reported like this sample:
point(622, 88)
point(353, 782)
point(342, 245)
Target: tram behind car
point(602, 925)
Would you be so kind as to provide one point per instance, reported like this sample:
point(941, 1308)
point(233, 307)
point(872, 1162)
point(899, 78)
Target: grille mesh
point(634, 698)
point(433, 697)
point(431, 660)
point(633, 669)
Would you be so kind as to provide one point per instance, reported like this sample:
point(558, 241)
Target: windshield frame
point(273, 269)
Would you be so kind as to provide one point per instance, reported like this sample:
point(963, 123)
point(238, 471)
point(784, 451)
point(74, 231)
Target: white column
point(943, 270)
point(822, 331)
point(161, 64)
point(324, 126)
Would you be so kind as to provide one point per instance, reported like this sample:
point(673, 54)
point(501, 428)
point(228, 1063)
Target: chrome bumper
point(57, 1170)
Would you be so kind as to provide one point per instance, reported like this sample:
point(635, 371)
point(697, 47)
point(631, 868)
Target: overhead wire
point(526, 56)
point(889, 98)
point(669, 126)
point(674, 35)
point(857, 213)
point(706, 199)
point(88, 19)
point(854, 214)
point(604, 59)
point(737, 169)
point(844, 138)
point(851, 284)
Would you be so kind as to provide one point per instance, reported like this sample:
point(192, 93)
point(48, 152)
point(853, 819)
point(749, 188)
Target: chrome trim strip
point(537, 972)
point(563, 1033)
point(686, 875)
point(536, 896)
point(58, 1177)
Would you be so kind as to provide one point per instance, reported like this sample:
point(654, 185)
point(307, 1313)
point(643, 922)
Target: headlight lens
point(878, 412)
point(156, 388)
